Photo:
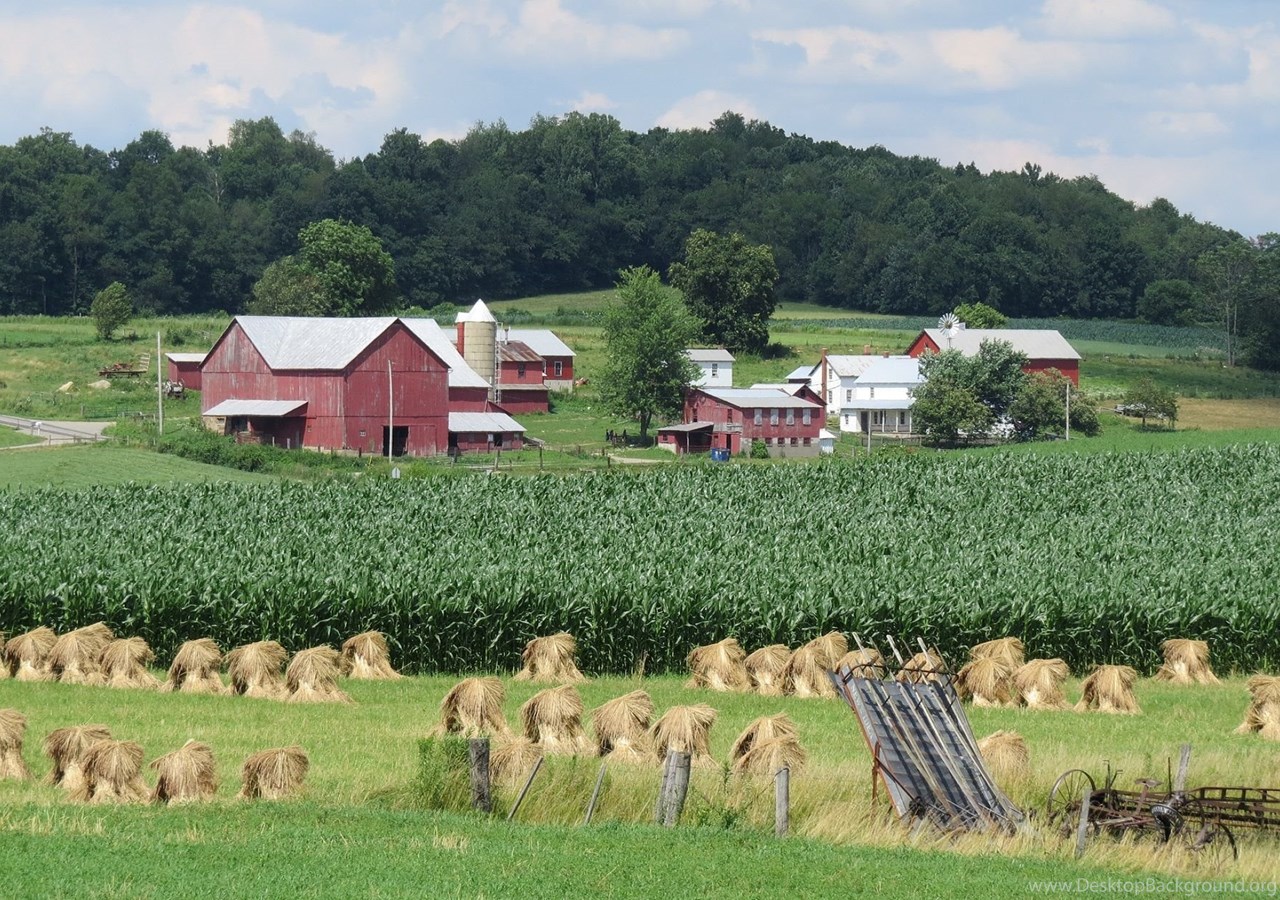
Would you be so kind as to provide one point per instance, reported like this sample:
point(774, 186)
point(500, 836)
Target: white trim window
point(758, 418)
point(805, 418)
point(791, 417)
point(773, 417)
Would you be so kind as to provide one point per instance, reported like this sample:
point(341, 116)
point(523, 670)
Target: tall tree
point(728, 284)
point(646, 332)
point(341, 270)
point(1227, 272)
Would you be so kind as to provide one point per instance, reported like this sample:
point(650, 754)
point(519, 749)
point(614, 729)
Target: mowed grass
point(95, 464)
point(357, 824)
point(11, 437)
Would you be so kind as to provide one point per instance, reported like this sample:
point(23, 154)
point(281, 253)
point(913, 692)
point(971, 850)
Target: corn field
point(1094, 558)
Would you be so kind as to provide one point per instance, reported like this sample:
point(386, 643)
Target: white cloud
point(549, 31)
point(704, 107)
point(1105, 19)
point(591, 101)
point(1194, 124)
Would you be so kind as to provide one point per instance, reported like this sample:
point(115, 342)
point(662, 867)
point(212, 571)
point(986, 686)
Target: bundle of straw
point(1009, 649)
point(864, 663)
point(768, 744)
point(1263, 714)
point(924, 667)
point(112, 773)
point(987, 680)
point(13, 728)
point(312, 677)
point(26, 656)
point(73, 659)
point(808, 674)
point(686, 729)
point(720, 667)
point(622, 727)
point(1038, 683)
point(553, 719)
point(551, 659)
point(473, 707)
point(195, 668)
point(255, 670)
point(765, 668)
point(186, 774)
point(829, 648)
point(1006, 755)
point(274, 774)
point(512, 759)
point(123, 664)
point(1109, 689)
point(67, 748)
point(1186, 662)
point(366, 656)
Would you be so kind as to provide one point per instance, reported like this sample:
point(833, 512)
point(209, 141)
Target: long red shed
point(788, 425)
point(1045, 348)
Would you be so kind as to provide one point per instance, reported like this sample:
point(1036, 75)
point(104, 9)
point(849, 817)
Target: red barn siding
point(525, 401)
point(700, 407)
point(186, 372)
point(1068, 367)
point(468, 399)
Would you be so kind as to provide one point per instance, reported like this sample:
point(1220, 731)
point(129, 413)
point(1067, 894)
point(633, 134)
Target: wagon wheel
point(1063, 807)
point(1214, 845)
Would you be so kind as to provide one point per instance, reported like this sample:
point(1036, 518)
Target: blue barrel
point(720, 454)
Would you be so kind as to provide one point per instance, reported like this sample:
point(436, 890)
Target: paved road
point(56, 432)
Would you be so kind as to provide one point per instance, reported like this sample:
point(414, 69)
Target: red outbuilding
point(184, 369)
point(787, 425)
point(520, 388)
point(1044, 348)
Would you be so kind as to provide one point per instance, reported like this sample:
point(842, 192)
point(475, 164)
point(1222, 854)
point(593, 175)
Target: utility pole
point(391, 412)
point(1068, 437)
point(159, 390)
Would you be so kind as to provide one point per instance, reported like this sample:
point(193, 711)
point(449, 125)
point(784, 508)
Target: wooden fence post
point(677, 788)
point(595, 795)
point(781, 801)
point(658, 808)
point(1082, 829)
point(515, 807)
point(481, 795)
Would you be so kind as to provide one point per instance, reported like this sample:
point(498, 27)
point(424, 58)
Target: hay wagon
point(1202, 818)
point(122, 370)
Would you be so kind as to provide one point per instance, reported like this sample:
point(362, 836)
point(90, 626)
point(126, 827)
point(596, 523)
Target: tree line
point(570, 201)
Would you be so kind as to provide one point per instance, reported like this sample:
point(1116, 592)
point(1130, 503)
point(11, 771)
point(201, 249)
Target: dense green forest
point(566, 203)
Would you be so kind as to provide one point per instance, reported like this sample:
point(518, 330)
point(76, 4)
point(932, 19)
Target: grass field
point(99, 464)
point(358, 825)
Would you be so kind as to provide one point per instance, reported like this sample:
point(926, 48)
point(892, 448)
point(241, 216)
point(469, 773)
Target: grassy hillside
point(103, 464)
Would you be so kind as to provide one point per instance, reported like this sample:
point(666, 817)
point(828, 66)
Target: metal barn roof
point(267, 408)
point(769, 398)
point(849, 366)
point(543, 341)
point(894, 370)
point(435, 337)
point(299, 342)
point(518, 351)
point(186, 357)
point(709, 354)
point(1036, 343)
point(486, 421)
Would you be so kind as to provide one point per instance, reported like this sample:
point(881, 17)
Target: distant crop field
point(1094, 558)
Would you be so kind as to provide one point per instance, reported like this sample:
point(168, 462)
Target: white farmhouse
point(715, 365)
point(880, 398)
point(835, 375)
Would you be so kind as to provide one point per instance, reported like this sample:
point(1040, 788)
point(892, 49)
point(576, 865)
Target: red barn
point(184, 368)
point(788, 425)
point(520, 384)
point(1044, 348)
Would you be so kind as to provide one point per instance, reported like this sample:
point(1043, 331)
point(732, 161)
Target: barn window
point(773, 417)
point(804, 418)
point(806, 442)
point(793, 442)
point(759, 417)
point(791, 417)
point(361, 432)
point(520, 370)
point(559, 368)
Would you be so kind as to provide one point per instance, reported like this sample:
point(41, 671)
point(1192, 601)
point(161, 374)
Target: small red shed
point(184, 369)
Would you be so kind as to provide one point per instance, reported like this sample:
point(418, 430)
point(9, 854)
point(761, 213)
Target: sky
point(1177, 99)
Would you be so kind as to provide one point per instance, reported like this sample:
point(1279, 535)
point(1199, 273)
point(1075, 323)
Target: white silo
point(478, 333)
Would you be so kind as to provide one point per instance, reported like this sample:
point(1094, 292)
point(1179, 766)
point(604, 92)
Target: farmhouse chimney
point(826, 401)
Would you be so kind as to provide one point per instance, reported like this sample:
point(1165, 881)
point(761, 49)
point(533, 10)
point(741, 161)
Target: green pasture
point(359, 825)
point(102, 464)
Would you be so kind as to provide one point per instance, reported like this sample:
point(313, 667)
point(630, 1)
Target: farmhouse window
point(559, 368)
point(804, 418)
point(773, 417)
point(848, 395)
point(715, 370)
point(871, 393)
point(902, 418)
point(759, 417)
point(791, 417)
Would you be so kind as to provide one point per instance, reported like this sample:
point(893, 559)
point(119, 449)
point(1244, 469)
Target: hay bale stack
point(473, 707)
point(1009, 649)
point(366, 656)
point(687, 729)
point(622, 727)
point(553, 719)
point(551, 660)
point(808, 673)
point(720, 666)
point(1038, 683)
point(923, 667)
point(511, 760)
point(195, 669)
point(829, 648)
point(765, 668)
point(67, 748)
point(1186, 662)
point(1109, 689)
point(312, 677)
point(123, 664)
point(13, 728)
point(186, 774)
point(112, 773)
point(864, 663)
point(767, 745)
point(1006, 755)
point(26, 656)
point(1263, 714)
point(73, 659)
point(255, 670)
point(987, 681)
point(274, 774)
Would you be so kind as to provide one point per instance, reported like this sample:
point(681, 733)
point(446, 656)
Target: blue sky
point(1158, 98)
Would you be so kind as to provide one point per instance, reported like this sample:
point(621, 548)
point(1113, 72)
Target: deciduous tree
point(728, 284)
point(110, 309)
